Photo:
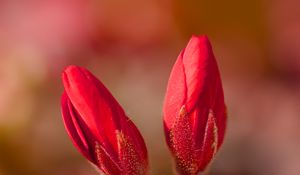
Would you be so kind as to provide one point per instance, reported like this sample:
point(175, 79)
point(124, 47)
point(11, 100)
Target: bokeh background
point(131, 46)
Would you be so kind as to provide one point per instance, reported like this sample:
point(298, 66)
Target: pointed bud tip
point(200, 38)
point(69, 69)
point(67, 72)
point(70, 72)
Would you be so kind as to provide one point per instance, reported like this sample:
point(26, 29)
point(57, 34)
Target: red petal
point(176, 93)
point(210, 142)
point(198, 121)
point(95, 105)
point(198, 61)
point(84, 140)
point(219, 108)
point(74, 130)
point(105, 162)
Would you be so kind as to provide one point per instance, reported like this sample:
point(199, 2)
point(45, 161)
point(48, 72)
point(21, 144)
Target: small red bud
point(194, 109)
point(99, 127)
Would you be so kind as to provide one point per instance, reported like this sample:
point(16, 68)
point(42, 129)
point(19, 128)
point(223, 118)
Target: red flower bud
point(194, 110)
point(98, 126)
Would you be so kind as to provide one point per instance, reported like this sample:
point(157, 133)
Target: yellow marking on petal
point(182, 143)
point(98, 152)
point(182, 112)
point(214, 146)
point(131, 162)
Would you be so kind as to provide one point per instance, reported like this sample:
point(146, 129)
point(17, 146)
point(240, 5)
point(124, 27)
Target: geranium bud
point(194, 109)
point(99, 127)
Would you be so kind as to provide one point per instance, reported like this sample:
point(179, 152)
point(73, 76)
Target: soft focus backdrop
point(131, 46)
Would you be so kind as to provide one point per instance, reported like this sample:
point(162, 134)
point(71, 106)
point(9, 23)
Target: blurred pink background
point(131, 46)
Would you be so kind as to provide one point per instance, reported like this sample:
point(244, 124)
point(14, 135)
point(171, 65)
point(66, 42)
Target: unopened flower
point(194, 110)
point(98, 126)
